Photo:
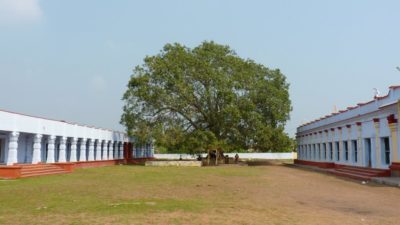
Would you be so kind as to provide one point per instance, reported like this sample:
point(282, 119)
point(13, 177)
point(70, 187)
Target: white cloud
point(19, 11)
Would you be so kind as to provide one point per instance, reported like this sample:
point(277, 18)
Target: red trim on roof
point(351, 107)
point(355, 107)
point(391, 119)
point(381, 97)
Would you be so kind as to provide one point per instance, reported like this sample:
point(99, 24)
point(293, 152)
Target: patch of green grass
point(146, 205)
point(116, 191)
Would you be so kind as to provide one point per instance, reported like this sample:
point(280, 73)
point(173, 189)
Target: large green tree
point(207, 97)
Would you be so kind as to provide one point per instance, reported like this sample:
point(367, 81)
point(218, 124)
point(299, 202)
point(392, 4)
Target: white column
point(72, 157)
point(115, 151)
point(334, 156)
point(152, 149)
point(105, 156)
point(82, 156)
point(50, 149)
point(91, 150)
point(12, 148)
point(121, 150)
point(62, 153)
point(350, 159)
point(110, 150)
point(98, 150)
point(360, 152)
point(37, 147)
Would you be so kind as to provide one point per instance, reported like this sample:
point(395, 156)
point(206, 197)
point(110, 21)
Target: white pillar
point(115, 150)
point(12, 148)
point(111, 150)
point(121, 150)
point(37, 147)
point(50, 149)
point(82, 156)
point(72, 157)
point(152, 150)
point(62, 153)
point(91, 150)
point(98, 150)
point(105, 156)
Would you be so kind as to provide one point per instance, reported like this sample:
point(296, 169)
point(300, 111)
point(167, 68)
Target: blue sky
point(72, 59)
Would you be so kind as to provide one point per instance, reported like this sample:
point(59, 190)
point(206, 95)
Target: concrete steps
point(41, 170)
point(359, 173)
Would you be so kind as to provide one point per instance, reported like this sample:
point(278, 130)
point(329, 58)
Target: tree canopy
point(207, 97)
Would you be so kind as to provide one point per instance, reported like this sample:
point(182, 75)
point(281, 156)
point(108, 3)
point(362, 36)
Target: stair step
point(40, 167)
point(350, 175)
point(363, 169)
point(38, 171)
point(366, 173)
point(32, 170)
point(43, 174)
point(33, 173)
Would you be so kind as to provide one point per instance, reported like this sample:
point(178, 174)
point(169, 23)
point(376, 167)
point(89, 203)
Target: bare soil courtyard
point(274, 194)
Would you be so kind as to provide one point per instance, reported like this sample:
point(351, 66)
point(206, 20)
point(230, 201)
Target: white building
point(34, 140)
point(365, 135)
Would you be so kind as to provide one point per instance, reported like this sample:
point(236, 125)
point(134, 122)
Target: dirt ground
point(273, 194)
point(286, 195)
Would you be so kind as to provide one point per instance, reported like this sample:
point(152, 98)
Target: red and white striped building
point(28, 140)
point(365, 135)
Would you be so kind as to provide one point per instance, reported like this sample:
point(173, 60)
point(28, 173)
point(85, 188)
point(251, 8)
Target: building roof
point(63, 121)
point(380, 101)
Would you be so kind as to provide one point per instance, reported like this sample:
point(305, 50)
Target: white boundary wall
point(278, 155)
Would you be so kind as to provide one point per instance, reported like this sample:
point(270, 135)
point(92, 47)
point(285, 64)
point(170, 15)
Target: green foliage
point(207, 97)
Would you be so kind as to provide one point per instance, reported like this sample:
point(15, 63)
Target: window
point(355, 150)
point(330, 151)
point(346, 150)
point(337, 151)
point(324, 149)
point(386, 150)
